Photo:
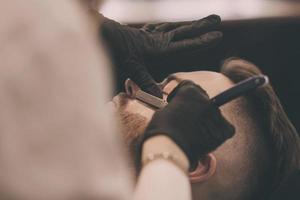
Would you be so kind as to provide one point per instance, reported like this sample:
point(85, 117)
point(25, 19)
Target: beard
point(133, 125)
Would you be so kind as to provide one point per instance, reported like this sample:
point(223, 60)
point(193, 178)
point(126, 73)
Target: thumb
point(140, 75)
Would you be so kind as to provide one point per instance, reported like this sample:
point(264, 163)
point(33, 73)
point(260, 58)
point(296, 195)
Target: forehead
point(212, 82)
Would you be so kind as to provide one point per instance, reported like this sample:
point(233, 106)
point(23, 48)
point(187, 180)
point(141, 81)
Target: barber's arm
point(187, 129)
point(58, 141)
point(161, 179)
point(127, 44)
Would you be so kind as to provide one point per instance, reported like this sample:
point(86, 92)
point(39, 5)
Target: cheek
point(135, 107)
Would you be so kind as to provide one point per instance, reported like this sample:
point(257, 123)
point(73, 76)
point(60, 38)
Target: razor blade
point(151, 100)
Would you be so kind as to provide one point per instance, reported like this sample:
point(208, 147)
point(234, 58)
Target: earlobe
point(205, 169)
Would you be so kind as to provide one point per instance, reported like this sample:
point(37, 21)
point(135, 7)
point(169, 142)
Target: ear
point(205, 170)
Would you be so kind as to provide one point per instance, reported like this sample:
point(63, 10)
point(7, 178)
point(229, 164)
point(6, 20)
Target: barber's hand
point(128, 43)
point(191, 121)
point(169, 26)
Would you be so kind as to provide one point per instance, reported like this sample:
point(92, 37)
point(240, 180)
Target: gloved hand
point(191, 121)
point(167, 26)
point(131, 45)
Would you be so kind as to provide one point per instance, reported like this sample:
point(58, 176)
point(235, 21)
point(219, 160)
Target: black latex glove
point(168, 26)
point(131, 45)
point(191, 121)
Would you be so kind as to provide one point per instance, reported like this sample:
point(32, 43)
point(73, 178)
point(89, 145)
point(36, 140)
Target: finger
point(199, 27)
point(164, 26)
point(140, 75)
point(169, 26)
point(227, 130)
point(202, 42)
point(188, 89)
point(150, 27)
point(152, 88)
point(176, 89)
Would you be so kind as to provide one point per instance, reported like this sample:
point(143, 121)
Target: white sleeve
point(162, 180)
point(57, 138)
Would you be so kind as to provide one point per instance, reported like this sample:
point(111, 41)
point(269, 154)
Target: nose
point(131, 88)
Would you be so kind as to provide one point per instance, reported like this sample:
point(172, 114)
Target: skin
point(230, 156)
point(212, 82)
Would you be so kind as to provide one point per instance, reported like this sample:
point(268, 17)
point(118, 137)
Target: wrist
point(163, 147)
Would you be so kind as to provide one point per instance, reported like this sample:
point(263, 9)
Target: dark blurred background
point(264, 32)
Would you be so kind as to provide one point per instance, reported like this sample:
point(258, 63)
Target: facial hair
point(133, 125)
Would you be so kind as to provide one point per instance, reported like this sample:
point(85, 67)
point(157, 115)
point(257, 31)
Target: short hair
point(271, 118)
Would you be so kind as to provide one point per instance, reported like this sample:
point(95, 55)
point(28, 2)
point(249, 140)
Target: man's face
point(235, 158)
point(135, 115)
point(238, 163)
